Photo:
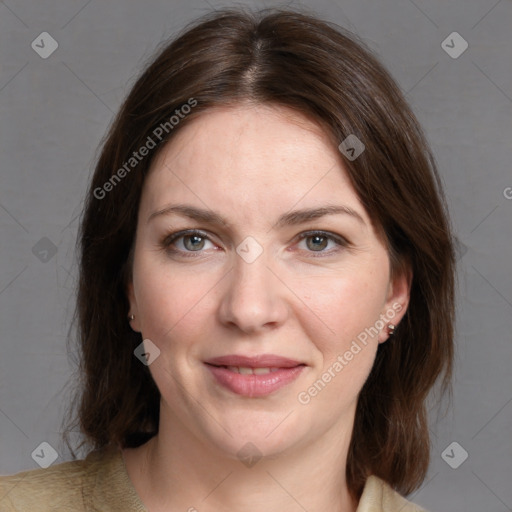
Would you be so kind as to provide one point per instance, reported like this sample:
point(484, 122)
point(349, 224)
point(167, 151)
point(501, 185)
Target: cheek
point(175, 309)
point(169, 300)
point(344, 338)
point(341, 309)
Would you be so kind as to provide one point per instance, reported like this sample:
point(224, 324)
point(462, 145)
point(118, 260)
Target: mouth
point(256, 361)
point(250, 371)
point(256, 376)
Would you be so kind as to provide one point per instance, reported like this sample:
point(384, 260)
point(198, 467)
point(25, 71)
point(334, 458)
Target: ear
point(397, 300)
point(135, 323)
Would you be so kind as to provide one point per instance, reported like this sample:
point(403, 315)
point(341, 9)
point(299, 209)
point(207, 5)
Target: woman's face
point(252, 242)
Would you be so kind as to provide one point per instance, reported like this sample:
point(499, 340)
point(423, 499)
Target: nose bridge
point(252, 299)
point(252, 275)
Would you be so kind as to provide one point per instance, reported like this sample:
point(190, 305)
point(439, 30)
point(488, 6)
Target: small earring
point(131, 317)
point(391, 329)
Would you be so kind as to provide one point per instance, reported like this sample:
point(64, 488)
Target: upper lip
point(258, 361)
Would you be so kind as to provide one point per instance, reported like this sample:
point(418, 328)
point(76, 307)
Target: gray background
point(55, 111)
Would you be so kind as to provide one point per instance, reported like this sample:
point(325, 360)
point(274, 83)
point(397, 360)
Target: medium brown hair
point(293, 59)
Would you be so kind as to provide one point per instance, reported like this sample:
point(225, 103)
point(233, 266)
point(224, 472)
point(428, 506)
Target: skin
point(302, 299)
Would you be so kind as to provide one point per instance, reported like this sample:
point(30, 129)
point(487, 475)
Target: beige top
point(100, 483)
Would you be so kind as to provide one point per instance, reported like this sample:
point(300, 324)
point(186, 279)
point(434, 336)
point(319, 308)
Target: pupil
point(319, 242)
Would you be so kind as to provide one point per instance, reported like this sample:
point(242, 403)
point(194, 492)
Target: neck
point(177, 471)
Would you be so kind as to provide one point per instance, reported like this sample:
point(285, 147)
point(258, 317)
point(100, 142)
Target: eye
point(187, 242)
point(318, 241)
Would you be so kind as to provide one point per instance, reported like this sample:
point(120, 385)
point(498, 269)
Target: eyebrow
point(292, 218)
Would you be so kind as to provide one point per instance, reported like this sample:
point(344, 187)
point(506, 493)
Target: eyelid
point(168, 239)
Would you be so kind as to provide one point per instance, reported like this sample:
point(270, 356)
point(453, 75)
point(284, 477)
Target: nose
point(254, 298)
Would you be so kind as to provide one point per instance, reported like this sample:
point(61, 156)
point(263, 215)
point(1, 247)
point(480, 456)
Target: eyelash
point(173, 237)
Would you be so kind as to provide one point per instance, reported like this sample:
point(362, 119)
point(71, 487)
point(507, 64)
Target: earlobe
point(132, 314)
point(397, 303)
point(387, 332)
point(134, 324)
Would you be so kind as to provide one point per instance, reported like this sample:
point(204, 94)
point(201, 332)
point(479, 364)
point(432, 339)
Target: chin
point(244, 434)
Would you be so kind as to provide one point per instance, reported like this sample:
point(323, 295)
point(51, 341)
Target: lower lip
point(254, 385)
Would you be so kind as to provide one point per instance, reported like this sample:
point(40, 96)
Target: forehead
point(253, 158)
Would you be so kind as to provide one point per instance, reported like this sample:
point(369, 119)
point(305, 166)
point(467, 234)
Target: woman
point(266, 283)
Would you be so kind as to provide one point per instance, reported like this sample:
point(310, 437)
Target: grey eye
point(316, 242)
point(193, 242)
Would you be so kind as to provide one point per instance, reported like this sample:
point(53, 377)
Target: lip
point(258, 361)
point(254, 385)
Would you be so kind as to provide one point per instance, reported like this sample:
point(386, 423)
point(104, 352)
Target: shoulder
point(44, 489)
point(378, 496)
point(74, 486)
